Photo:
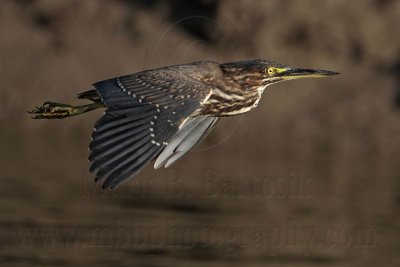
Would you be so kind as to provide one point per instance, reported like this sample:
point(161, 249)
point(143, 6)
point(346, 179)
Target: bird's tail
point(91, 95)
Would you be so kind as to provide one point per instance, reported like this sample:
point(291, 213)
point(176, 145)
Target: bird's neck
point(242, 83)
point(231, 96)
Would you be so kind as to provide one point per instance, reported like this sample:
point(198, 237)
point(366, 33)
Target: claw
point(51, 110)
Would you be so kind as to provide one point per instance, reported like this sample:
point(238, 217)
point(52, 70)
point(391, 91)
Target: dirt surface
point(309, 178)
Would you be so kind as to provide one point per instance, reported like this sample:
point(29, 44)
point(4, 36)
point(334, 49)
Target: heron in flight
point(161, 114)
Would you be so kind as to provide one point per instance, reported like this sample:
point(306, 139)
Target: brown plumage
point(163, 113)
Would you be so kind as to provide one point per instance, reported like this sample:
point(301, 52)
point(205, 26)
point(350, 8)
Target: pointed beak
point(297, 73)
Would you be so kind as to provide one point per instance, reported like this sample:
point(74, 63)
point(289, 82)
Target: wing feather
point(144, 111)
point(196, 137)
point(191, 134)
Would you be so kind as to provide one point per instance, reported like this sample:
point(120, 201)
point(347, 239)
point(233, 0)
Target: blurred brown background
point(309, 178)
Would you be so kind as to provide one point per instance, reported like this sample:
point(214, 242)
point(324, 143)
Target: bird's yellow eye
point(270, 71)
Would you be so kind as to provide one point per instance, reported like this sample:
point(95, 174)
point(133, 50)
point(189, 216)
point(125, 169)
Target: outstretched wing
point(144, 110)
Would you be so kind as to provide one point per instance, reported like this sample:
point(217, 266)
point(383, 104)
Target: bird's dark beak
point(297, 73)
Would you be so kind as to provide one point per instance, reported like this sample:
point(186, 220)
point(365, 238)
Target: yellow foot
point(51, 110)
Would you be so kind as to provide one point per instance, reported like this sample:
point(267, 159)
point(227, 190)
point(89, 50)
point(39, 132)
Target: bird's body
point(161, 114)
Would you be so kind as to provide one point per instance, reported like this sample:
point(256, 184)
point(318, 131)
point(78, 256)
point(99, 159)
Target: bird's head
point(263, 73)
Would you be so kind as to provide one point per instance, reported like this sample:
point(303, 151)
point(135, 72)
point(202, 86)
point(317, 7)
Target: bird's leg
point(52, 110)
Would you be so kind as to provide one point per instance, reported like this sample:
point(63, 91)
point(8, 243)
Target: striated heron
point(163, 113)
